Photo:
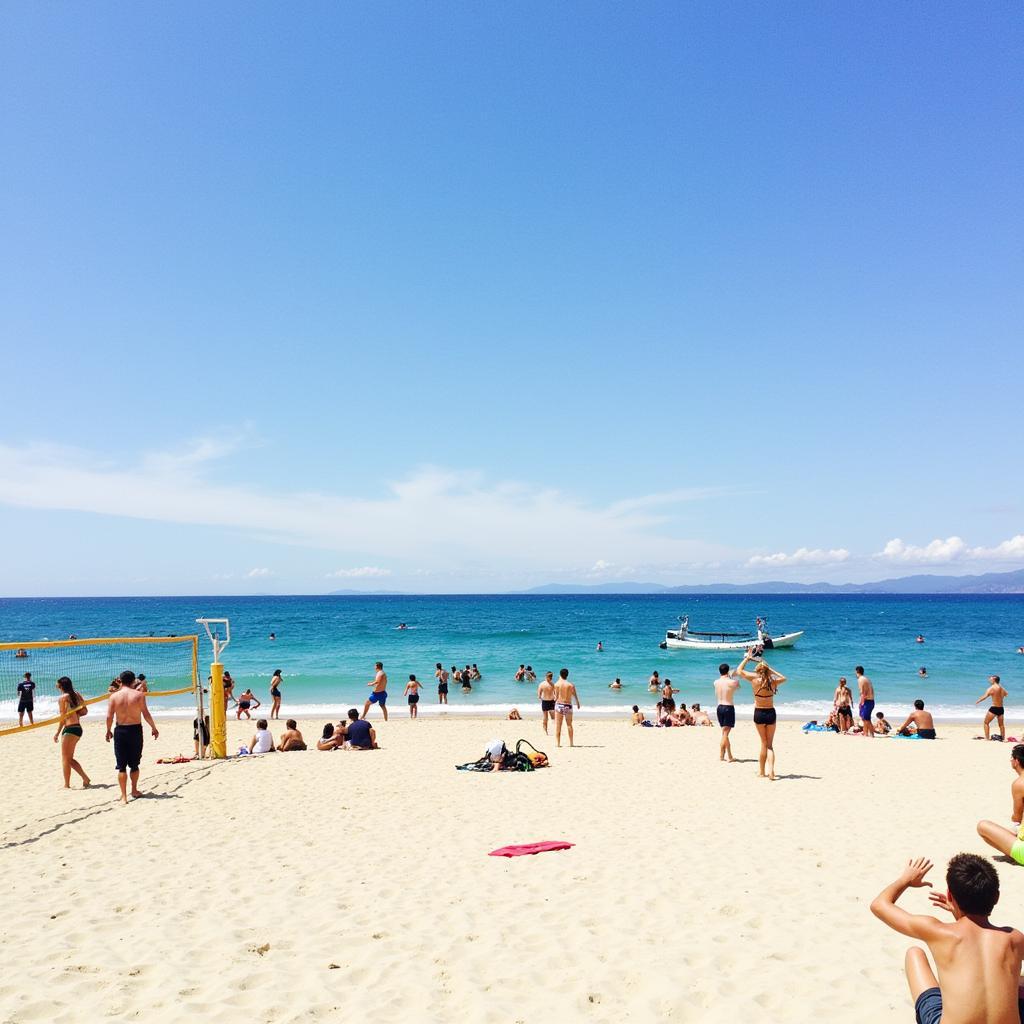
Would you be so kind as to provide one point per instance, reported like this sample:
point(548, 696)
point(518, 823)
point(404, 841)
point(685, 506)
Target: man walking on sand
point(726, 686)
point(546, 696)
point(867, 701)
point(996, 694)
point(128, 706)
point(380, 691)
point(565, 694)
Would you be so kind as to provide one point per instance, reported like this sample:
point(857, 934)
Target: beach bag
point(538, 759)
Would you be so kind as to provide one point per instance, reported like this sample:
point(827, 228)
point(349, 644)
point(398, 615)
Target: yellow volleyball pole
point(218, 712)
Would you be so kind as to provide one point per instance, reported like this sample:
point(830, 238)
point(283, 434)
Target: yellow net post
point(218, 712)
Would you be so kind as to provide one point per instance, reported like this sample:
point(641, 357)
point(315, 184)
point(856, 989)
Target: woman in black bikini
point(766, 682)
point(69, 729)
point(275, 693)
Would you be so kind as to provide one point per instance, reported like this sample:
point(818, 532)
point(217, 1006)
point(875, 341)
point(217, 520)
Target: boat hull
point(690, 644)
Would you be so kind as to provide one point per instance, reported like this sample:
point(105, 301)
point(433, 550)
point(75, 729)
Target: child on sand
point(978, 963)
point(262, 742)
point(882, 727)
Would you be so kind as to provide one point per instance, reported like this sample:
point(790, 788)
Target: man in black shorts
point(128, 706)
point(26, 699)
point(995, 693)
point(725, 690)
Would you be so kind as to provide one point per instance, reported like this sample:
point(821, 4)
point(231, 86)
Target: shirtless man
point(996, 694)
point(667, 696)
point(921, 719)
point(654, 683)
point(1008, 840)
point(565, 694)
point(726, 686)
point(531, 676)
point(978, 963)
point(867, 701)
point(520, 674)
point(380, 691)
point(441, 675)
point(546, 696)
point(843, 701)
point(291, 738)
point(128, 706)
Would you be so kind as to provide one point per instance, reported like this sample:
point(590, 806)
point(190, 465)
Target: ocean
point(326, 646)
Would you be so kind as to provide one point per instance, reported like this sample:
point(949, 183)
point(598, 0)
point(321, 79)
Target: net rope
point(170, 665)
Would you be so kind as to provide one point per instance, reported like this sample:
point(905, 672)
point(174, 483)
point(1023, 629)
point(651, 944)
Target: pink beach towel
point(529, 849)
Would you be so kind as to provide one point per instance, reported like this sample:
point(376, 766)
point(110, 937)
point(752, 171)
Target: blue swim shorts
point(928, 1008)
point(866, 707)
point(379, 698)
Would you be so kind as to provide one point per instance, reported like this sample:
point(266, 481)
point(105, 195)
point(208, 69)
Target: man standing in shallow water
point(867, 701)
point(726, 686)
point(128, 706)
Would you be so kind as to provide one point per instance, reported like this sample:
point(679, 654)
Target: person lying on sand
point(291, 738)
point(921, 720)
point(1010, 841)
point(977, 963)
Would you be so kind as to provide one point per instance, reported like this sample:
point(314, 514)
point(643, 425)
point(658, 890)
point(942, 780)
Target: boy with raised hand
point(978, 963)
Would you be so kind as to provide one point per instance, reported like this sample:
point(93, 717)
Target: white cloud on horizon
point(802, 556)
point(432, 518)
point(952, 549)
point(361, 572)
point(255, 574)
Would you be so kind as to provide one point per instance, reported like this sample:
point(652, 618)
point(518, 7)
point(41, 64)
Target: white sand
point(696, 891)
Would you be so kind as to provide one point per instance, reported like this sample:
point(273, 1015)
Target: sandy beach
point(326, 885)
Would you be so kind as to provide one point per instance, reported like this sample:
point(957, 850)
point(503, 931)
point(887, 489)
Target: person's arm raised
point(916, 926)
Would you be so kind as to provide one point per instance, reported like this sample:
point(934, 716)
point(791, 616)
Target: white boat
point(685, 639)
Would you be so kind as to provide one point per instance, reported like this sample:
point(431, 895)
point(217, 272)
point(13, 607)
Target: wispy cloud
point(433, 518)
point(258, 574)
point(952, 549)
point(361, 572)
point(802, 556)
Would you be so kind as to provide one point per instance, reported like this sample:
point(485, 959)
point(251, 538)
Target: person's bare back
point(546, 690)
point(127, 705)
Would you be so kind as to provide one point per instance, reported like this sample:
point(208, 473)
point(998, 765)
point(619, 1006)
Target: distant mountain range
point(988, 583)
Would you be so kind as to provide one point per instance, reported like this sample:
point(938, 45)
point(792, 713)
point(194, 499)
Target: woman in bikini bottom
point(766, 682)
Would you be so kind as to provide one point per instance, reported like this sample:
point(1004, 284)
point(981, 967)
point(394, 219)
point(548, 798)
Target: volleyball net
point(170, 665)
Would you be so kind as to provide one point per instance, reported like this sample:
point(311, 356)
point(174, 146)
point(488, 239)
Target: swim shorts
point(726, 716)
point(998, 712)
point(25, 705)
point(928, 1008)
point(128, 747)
point(926, 734)
point(866, 707)
point(380, 698)
point(442, 687)
point(1017, 850)
point(668, 703)
point(764, 716)
point(547, 705)
point(414, 698)
point(244, 705)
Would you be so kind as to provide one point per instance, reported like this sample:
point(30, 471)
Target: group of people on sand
point(263, 742)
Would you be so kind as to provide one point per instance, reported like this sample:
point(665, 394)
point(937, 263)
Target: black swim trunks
point(547, 705)
point(726, 716)
point(844, 709)
point(442, 687)
point(926, 734)
point(128, 747)
point(668, 703)
point(764, 716)
point(25, 705)
point(244, 705)
point(998, 712)
point(414, 698)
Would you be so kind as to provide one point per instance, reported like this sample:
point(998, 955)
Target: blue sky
point(472, 297)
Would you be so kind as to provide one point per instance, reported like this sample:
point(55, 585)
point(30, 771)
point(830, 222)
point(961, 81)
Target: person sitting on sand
point(832, 722)
point(664, 719)
point(924, 724)
point(332, 737)
point(262, 742)
point(843, 702)
point(638, 716)
point(495, 753)
point(978, 964)
point(996, 694)
point(1010, 841)
point(681, 716)
point(699, 717)
point(359, 734)
point(514, 716)
point(882, 727)
point(616, 684)
point(246, 700)
point(291, 738)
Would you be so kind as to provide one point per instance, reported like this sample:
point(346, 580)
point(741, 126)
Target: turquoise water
point(326, 646)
